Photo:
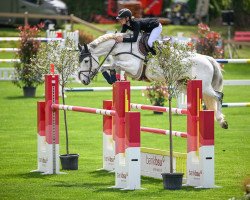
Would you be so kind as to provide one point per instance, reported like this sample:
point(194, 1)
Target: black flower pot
point(29, 91)
point(69, 161)
point(172, 181)
point(156, 112)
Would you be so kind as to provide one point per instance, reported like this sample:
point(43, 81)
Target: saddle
point(143, 45)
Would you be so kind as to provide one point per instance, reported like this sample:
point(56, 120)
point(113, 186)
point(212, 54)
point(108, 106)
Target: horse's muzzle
point(85, 82)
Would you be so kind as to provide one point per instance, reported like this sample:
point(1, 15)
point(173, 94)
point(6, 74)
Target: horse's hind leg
point(213, 101)
point(222, 120)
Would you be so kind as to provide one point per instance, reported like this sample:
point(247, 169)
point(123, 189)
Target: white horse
point(128, 58)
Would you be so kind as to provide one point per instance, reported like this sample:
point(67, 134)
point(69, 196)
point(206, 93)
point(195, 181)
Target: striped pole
point(225, 61)
point(236, 104)
point(83, 109)
point(164, 132)
point(158, 108)
point(100, 89)
point(90, 89)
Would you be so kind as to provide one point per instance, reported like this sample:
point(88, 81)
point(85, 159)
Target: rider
point(148, 25)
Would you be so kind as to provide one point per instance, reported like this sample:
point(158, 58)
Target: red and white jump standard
point(121, 135)
point(127, 146)
point(48, 129)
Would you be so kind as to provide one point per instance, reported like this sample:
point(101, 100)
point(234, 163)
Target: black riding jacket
point(136, 25)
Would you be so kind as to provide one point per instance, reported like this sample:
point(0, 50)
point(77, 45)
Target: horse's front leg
point(109, 73)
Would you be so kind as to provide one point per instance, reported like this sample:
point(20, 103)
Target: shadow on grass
point(101, 173)
point(23, 97)
point(28, 175)
point(89, 185)
point(98, 186)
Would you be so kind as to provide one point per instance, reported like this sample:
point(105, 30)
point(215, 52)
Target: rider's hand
point(119, 39)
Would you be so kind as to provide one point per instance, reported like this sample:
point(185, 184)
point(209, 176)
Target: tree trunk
point(170, 133)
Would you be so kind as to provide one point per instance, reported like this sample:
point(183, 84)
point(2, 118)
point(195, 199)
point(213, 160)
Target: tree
point(175, 63)
point(64, 56)
point(241, 10)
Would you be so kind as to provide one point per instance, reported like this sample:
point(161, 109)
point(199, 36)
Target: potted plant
point(28, 76)
point(169, 58)
point(64, 57)
point(157, 94)
point(208, 42)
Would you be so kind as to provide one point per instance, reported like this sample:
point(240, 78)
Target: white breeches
point(154, 35)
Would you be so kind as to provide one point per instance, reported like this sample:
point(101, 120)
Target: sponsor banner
point(153, 165)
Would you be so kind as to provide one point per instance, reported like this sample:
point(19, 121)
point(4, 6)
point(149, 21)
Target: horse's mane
point(104, 38)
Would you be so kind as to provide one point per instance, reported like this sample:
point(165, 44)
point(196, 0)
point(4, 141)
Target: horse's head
point(89, 65)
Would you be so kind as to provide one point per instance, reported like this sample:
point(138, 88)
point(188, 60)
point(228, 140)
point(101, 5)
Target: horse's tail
point(217, 81)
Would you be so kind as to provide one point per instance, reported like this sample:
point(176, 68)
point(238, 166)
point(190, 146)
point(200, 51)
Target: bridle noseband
point(91, 74)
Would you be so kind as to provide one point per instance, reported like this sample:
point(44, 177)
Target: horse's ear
point(79, 47)
point(86, 48)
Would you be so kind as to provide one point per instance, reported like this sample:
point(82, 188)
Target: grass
point(18, 149)
point(18, 136)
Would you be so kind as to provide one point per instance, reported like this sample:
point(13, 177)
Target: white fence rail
point(6, 74)
point(182, 98)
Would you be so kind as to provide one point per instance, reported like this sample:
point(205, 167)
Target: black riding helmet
point(123, 13)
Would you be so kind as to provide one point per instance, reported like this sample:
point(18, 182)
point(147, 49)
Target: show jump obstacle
point(122, 151)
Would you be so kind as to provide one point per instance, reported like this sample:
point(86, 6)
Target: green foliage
point(85, 8)
point(26, 74)
point(157, 93)
point(207, 42)
point(63, 55)
point(241, 10)
point(230, 4)
point(174, 61)
point(19, 148)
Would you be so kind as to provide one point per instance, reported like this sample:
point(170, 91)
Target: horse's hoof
point(224, 125)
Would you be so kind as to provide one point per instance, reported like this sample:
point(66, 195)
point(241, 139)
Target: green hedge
point(85, 9)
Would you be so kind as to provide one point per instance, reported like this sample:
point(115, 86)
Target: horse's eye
point(86, 61)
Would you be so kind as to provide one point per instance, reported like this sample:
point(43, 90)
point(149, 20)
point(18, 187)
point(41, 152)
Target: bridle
point(86, 53)
point(83, 54)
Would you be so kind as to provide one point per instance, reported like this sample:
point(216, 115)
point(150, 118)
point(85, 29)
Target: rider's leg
point(154, 35)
